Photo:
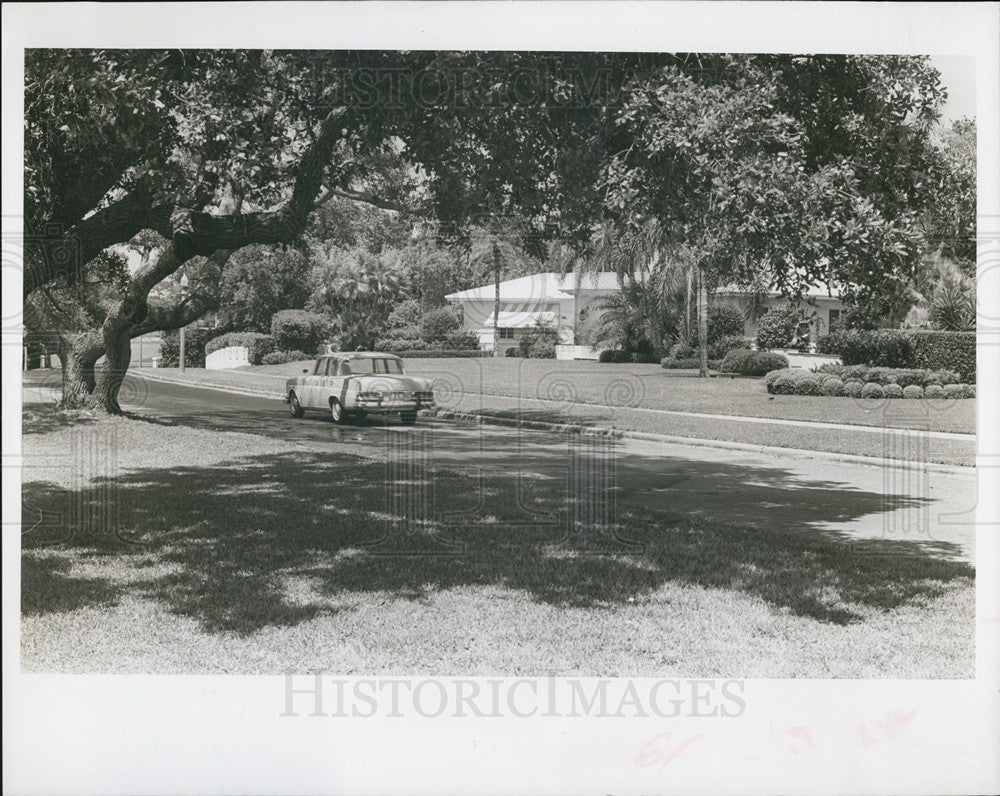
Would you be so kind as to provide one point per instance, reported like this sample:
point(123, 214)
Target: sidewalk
point(850, 443)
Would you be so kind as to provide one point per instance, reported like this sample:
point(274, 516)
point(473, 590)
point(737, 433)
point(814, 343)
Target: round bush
point(968, 390)
point(954, 391)
point(873, 390)
point(913, 391)
point(853, 388)
point(784, 384)
point(933, 391)
point(832, 385)
point(807, 385)
point(770, 377)
point(893, 390)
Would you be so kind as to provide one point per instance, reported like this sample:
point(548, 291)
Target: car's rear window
point(365, 365)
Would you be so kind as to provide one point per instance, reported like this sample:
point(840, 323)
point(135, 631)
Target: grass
point(203, 551)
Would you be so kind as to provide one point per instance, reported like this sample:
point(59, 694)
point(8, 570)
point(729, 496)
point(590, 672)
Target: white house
point(570, 303)
point(821, 304)
point(566, 302)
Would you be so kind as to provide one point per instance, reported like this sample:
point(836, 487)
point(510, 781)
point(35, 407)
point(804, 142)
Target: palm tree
point(494, 247)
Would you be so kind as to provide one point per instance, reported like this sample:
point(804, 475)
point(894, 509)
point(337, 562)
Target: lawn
point(201, 551)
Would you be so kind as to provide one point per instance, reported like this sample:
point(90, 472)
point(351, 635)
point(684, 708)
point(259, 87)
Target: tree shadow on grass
point(275, 540)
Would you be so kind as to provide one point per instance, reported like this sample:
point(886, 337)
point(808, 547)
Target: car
point(353, 384)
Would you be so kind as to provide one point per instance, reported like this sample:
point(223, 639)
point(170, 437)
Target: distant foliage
point(195, 339)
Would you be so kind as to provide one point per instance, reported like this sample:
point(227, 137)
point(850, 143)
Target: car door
point(331, 383)
point(312, 383)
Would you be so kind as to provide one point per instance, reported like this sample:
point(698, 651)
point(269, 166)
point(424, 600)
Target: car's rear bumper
point(376, 407)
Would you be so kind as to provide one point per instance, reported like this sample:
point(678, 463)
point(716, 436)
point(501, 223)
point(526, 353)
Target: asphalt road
point(934, 511)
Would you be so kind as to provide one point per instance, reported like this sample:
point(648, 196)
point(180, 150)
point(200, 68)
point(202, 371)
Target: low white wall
point(576, 352)
point(235, 356)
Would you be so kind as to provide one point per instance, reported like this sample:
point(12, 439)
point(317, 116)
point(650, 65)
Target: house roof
point(819, 290)
point(547, 286)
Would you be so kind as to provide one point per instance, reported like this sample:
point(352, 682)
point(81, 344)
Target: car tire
point(294, 406)
point(408, 418)
point(340, 417)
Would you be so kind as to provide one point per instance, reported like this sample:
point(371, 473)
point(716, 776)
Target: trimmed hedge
point(904, 377)
point(689, 364)
point(258, 345)
point(898, 348)
point(793, 381)
point(611, 355)
point(281, 357)
point(752, 363)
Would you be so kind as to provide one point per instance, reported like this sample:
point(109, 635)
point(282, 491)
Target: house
point(569, 303)
point(821, 304)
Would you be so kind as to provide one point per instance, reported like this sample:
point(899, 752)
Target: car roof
point(358, 355)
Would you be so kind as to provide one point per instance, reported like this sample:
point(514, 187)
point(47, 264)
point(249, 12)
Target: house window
point(834, 324)
point(505, 333)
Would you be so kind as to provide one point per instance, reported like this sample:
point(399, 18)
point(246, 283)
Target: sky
point(958, 75)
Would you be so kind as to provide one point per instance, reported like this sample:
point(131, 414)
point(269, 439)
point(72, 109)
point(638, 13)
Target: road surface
point(934, 510)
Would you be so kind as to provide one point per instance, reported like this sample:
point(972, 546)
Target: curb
point(598, 431)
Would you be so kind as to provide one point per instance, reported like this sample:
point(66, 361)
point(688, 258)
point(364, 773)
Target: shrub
point(724, 320)
point(956, 350)
point(195, 339)
point(770, 377)
point(913, 391)
point(752, 363)
point(905, 349)
point(893, 391)
point(681, 351)
point(613, 355)
point(784, 384)
point(257, 344)
point(539, 342)
point(439, 324)
point(722, 346)
point(298, 330)
point(735, 360)
point(514, 351)
point(933, 391)
point(807, 385)
point(873, 390)
point(832, 385)
point(853, 388)
point(901, 376)
point(777, 328)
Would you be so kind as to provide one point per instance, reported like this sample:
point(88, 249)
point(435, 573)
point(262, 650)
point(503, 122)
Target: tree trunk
point(687, 309)
point(78, 357)
point(118, 355)
point(496, 299)
point(702, 324)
